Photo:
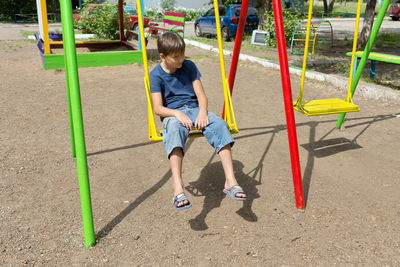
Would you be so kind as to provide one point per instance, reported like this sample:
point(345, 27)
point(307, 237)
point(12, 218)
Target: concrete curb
point(366, 90)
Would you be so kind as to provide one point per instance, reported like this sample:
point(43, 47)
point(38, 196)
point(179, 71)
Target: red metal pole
point(236, 48)
point(288, 101)
point(121, 20)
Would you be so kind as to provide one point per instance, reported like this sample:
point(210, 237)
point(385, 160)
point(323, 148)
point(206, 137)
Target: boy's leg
point(226, 159)
point(175, 160)
point(219, 137)
point(174, 139)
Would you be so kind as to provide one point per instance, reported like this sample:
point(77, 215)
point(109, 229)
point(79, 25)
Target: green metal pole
point(76, 108)
point(364, 57)
point(71, 123)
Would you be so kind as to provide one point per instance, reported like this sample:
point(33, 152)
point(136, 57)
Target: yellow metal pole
point(150, 119)
point(229, 113)
point(303, 70)
point(353, 51)
point(220, 48)
point(45, 25)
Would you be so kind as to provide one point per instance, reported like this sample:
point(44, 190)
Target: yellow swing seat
point(325, 106)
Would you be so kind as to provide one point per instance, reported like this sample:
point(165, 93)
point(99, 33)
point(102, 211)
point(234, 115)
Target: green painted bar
point(379, 57)
point(73, 83)
point(71, 123)
point(180, 19)
point(94, 59)
point(364, 57)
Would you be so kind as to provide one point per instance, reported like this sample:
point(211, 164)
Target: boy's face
point(173, 61)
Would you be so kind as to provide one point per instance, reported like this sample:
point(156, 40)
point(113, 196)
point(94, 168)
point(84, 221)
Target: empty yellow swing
point(330, 105)
point(229, 114)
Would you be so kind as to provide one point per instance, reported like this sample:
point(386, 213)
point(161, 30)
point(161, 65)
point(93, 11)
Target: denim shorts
point(175, 134)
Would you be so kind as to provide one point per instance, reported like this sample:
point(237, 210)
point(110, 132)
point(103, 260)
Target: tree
point(263, 6)
point(368, 22)
point(167, 5)
point(328, 6)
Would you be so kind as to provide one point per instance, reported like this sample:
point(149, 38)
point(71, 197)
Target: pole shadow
point(211, 181)
point(134, 204)
point(327, 147)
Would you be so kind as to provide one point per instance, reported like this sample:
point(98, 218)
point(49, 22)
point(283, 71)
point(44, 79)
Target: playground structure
point(91, 59)
point(335, 105)
point(321, 33)
point(331, 105)
point(172, 21)
point(78, 146)
point(374, 57)
point(75, 109)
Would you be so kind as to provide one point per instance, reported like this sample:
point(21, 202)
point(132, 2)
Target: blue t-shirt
point(176, 88)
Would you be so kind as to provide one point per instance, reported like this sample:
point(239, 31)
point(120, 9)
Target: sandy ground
point(350, 177)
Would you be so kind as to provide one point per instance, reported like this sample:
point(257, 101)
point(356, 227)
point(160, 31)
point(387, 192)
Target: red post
point(121, 20)
point(236, 48)
point(288, 101)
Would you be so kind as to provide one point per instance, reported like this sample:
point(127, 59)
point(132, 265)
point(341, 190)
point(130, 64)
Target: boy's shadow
point(210, 185)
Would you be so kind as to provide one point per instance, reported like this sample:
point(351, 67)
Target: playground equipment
point(78, 146)
point(321, 33)
point(374, 57)
point(173, 21)
point(92, 59)
point(331, 105)
point(371, 40)
point(229, 114)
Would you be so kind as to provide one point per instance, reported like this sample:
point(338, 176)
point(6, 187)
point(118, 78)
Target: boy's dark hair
point(170, 43)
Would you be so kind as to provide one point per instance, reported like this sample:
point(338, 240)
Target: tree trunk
point(368, 22)
point(263, 6)
point(328, 6)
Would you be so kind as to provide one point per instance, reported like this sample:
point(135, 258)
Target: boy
point(179, 99)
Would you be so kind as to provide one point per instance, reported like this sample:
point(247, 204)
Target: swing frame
point(229, 114)
point(330, 105)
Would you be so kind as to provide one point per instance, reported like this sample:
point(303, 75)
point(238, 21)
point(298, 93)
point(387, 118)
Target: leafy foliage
point(167, 5)
point(290, 21)
point(228, 2)
point(17, 7)
point(101, 20)
point(191, 14)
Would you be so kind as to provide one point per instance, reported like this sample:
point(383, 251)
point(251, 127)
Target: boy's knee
point(219, 123)
point(173, 125)
point(176, 126)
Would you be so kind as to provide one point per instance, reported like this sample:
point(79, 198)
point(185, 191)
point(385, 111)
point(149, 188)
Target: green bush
point(191, 14)
point(101, 20)
point(167, 5)
point(154, 14)
point(157, 15)
point(290, 21)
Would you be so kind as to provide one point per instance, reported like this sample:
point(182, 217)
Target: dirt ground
point(350, 177)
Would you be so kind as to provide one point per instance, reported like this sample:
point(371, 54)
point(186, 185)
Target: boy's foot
point(181, 202)
point(235, 192)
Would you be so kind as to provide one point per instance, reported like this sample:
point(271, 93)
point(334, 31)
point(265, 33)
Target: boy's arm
point(162, 111)
point(202, 118)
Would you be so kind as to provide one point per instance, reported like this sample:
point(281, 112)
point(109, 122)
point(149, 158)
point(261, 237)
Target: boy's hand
point(201, 120)
point(182, 118)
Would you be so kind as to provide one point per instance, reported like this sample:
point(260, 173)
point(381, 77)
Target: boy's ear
point(162, 56)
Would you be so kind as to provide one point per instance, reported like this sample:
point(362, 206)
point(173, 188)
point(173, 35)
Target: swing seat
point(325, 106)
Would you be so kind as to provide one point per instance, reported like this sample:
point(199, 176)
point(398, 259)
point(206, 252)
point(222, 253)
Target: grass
point(26, 33)
point(387, 40)
point(339, 8)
